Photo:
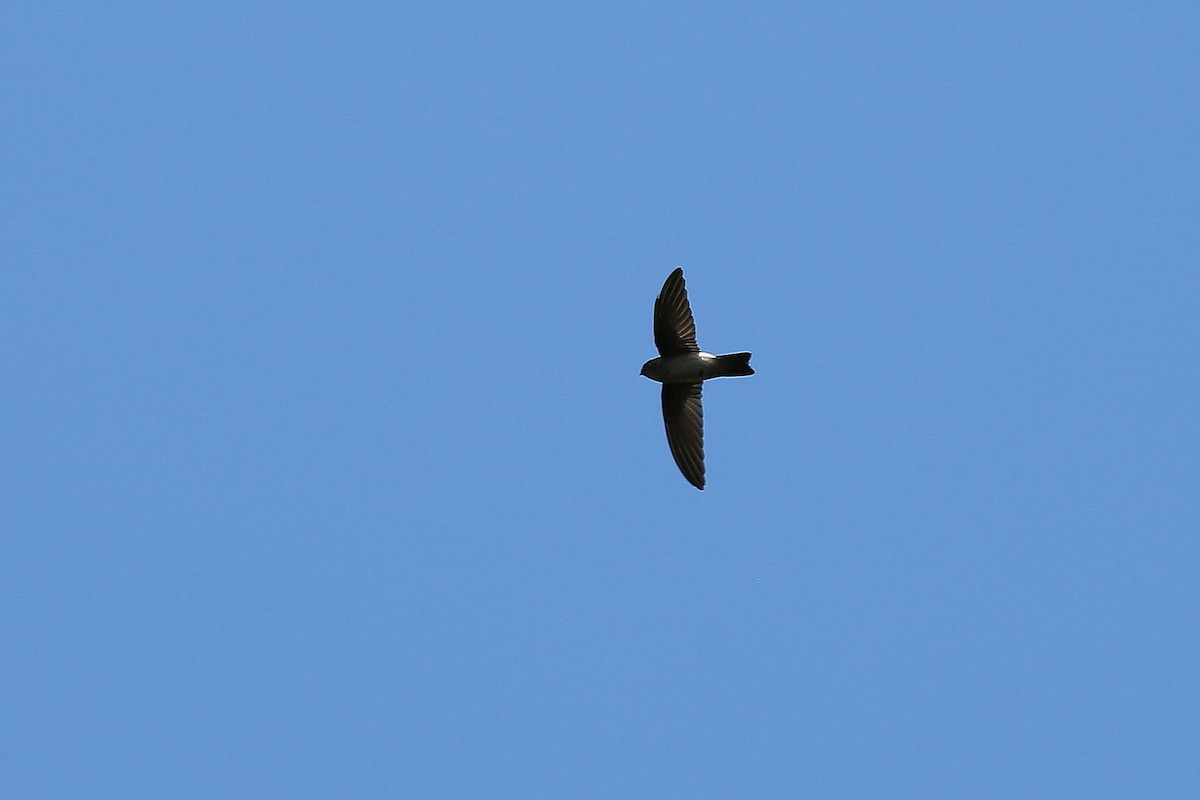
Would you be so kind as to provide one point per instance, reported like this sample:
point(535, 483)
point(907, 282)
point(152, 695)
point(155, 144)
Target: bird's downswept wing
point(674, 327)
point(683, 417)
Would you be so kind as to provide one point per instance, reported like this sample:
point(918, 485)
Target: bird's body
point(681, 368)
point(693, 367)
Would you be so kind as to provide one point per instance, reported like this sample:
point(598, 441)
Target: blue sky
point(327, 470)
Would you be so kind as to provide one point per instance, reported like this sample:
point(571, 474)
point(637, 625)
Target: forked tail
point(735, 365)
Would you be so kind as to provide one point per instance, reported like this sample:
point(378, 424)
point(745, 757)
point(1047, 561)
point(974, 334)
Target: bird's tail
point(735, 365)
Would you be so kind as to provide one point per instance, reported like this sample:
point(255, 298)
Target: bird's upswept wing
point(674, 327)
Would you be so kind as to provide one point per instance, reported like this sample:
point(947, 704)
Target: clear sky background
point(327, 471)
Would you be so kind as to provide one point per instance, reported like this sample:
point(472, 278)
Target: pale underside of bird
point(682, 367)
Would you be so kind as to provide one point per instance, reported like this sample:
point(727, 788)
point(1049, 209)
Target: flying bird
point(682, 367)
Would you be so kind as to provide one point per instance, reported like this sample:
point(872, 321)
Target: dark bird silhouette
point(682, 367)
